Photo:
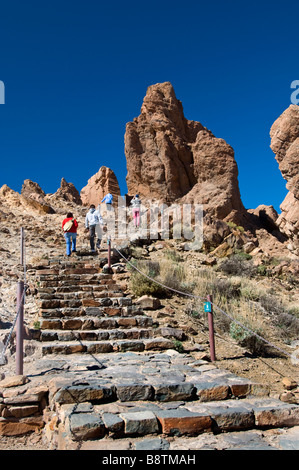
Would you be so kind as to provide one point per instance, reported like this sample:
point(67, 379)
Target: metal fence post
point(211, 330)
point(109, 252)
point(20, 328)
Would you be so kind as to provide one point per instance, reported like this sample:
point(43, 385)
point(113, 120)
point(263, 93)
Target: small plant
point(36, 325)
point(178, 346)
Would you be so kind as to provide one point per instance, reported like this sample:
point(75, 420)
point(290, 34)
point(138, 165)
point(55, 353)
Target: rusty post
point(109, 253)
point(211, 329)
point(20, 328)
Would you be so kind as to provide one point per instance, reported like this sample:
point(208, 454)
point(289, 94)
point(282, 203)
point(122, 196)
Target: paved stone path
point(105, 379)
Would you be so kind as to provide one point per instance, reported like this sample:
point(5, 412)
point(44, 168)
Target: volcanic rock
point(170, 158)
point(67, 192)
point(285, 144)
point(103, 182)
point(33, 197)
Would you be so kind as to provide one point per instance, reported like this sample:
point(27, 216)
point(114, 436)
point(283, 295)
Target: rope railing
point(202, 299)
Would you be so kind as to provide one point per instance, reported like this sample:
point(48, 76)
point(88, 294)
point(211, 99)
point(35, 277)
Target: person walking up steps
point(135, 203)
point(92, 219)
point(70, 226)
point(108, 199)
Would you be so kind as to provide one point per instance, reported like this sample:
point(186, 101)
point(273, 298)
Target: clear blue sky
point(75, 72)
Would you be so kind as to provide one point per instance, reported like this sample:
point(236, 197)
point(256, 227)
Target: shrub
point(247, 339)
point(142, 285)
point(236, 266)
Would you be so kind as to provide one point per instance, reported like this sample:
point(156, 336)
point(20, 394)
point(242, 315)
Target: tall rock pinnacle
point(170, 158)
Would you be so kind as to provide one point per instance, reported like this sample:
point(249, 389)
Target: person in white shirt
point(92, 219)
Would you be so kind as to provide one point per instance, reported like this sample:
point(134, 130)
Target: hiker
point(92, 219)
point(108, 200)
point(69, 226)
point(135, 203)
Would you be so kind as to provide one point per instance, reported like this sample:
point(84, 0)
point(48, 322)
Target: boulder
point(147, 302)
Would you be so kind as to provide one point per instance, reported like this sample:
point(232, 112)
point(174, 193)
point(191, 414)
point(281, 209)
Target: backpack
point(68, 225)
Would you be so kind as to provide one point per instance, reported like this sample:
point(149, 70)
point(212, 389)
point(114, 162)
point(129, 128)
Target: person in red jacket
point(69, 226)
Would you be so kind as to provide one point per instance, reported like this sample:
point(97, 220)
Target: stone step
point(96, 335)
point(98, 323)
point(75, 301)
point(71, 282)
point(89, 423)
point(75, 293)
point(100, 347)
point(90, 309)
point(154, 398)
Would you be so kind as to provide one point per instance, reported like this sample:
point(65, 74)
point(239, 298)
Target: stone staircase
point(107, 380)
point(84, 310)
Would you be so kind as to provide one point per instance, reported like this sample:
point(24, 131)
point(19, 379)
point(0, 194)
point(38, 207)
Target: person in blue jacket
point(108, 199)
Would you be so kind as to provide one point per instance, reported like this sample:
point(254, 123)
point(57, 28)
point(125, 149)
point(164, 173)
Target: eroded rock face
point(170, 158)
point(285, 144)
point(33, 197)
point(103, 182)
point(66, 192)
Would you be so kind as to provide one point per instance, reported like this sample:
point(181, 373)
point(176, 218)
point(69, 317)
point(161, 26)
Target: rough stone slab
point(152, 444)
point(212, 391)
point(19, 427)
point(83, 393)
point(14, 381)
point(133, 392)
point(174, 392)
point(159, 343)
point(240, 440)
point(84, 426)
point(104, 444)
point(277, 415)
point(289, 440)
point(20, 411)
point(130, 346)
point(183, 422)
point(233, 418)
point(113, 423)
point(140, 423)
point(99, 347)
point(24, 399)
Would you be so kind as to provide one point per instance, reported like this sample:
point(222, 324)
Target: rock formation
point(285, 144)
point(170, 158)
point(33, 197)
point(99, 185)
point(67, 192)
